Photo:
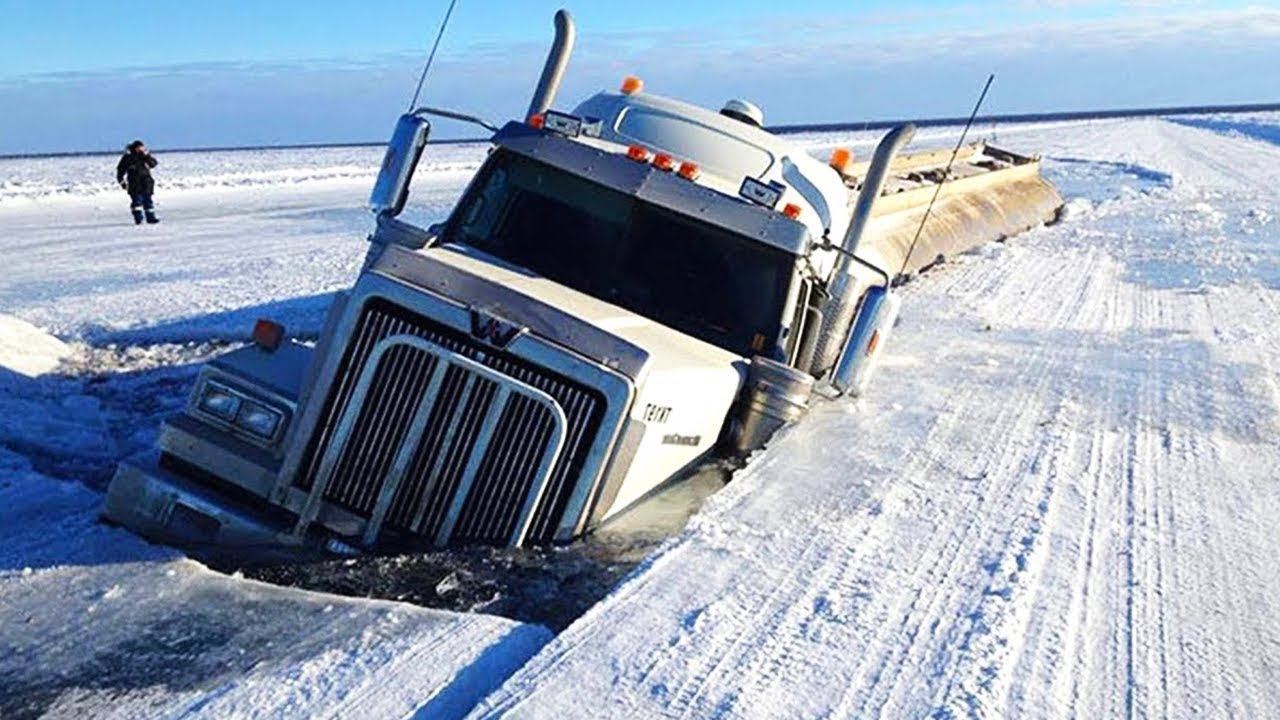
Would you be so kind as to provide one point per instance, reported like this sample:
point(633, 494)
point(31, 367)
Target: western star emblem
point(492, 329)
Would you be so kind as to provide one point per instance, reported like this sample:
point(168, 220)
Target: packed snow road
point(1060, 498)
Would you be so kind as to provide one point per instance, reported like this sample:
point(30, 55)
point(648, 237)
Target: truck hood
point(668, 349)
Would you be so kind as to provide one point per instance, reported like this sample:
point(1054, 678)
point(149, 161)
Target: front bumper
point(166, 507)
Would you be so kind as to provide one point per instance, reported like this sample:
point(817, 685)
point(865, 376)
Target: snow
point(1061, 502)
point(98, 623)
point(94, 621)
point(1059, 497)
point(26, 349)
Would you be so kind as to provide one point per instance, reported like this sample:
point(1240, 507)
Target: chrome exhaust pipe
point(838, 313)
point(557, 61)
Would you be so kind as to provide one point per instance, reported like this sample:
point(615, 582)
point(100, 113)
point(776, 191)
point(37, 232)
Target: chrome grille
point(440, 487)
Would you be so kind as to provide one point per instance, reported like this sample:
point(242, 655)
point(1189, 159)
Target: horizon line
point(789, 129)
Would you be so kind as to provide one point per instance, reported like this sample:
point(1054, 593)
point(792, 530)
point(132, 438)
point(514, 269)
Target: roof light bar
point(761, 193)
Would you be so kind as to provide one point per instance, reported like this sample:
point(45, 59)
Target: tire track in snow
point(1112, 562)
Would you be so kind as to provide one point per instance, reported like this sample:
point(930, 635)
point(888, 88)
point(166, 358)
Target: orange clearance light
point(632, 85)
point(840, 160)
point(873, 342)
point(267, 334)
point(663, 161)
point(638, 153)
point(688, 171)
point(537, 120)
point(791, 210)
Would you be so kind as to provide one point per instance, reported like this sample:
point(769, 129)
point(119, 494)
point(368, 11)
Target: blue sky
point(79, 75)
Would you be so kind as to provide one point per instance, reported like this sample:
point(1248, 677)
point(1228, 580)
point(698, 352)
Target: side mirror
point(863, 347)
point(391, 190)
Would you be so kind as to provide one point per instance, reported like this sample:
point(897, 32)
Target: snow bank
point(26, 349)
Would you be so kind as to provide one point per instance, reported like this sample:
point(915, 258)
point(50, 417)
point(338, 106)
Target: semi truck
point(623, 290)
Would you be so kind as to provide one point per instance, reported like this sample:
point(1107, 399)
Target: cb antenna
point(947, 172)
point(432, 56)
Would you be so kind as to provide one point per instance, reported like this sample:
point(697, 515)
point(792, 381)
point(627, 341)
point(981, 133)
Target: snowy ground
point(96, 623)
point(1061, 500)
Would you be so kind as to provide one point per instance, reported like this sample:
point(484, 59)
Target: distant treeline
point(780, 129)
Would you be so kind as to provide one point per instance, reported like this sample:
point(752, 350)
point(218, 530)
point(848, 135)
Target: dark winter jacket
point(136, 167)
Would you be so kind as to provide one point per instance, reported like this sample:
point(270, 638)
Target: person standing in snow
point(133, 172)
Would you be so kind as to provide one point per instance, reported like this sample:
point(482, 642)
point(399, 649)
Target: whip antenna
point(432, 56)
point(947, 172)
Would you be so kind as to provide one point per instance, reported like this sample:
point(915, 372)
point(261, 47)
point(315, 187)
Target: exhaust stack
point(557, 61)
point(838, 313)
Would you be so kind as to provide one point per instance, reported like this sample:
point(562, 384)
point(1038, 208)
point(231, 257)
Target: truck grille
point(449, 491)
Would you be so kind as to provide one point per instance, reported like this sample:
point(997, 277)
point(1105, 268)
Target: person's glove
point(124, 185)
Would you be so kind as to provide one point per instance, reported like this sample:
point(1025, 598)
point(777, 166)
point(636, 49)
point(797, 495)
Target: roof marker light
point(841, 159)
point(874, 342)
point(638, 153)
point(791, 210)
point(632, 85)
point(663, 161)
point(688, 170)
point(537, 121)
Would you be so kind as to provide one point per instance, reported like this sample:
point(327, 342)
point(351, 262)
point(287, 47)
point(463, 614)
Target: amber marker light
point(663, 161)
point(537, 120)
point(638, 153)
point(841, 159)
point(791, 210)
point(632, 85)
point(688, 171)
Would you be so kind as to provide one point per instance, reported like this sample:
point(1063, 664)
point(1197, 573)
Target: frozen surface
point(1060, 499)
point(95, 622)
point(239, 230)
point(28, 350)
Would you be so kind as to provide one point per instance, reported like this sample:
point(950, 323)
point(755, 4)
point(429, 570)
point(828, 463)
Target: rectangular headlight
point(219, 401)
point(259, 419)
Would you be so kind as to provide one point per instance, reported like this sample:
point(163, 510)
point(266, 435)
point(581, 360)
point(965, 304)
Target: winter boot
point(151, 218)
point(137, 217)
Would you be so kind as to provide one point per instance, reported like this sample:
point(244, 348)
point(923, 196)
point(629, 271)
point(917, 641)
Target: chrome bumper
point(168, 508)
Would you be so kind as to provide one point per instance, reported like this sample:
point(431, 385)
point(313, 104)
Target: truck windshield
point(675, 270)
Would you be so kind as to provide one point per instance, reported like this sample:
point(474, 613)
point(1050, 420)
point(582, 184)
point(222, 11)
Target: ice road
point(1060, 499)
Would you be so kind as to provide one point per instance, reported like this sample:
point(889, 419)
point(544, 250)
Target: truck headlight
point(219, 401)
point(259, 419)
point(240, 410)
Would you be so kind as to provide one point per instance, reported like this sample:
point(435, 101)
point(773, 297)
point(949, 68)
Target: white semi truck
point(622, 292)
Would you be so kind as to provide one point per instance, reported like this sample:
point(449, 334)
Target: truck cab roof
point(727, 150)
